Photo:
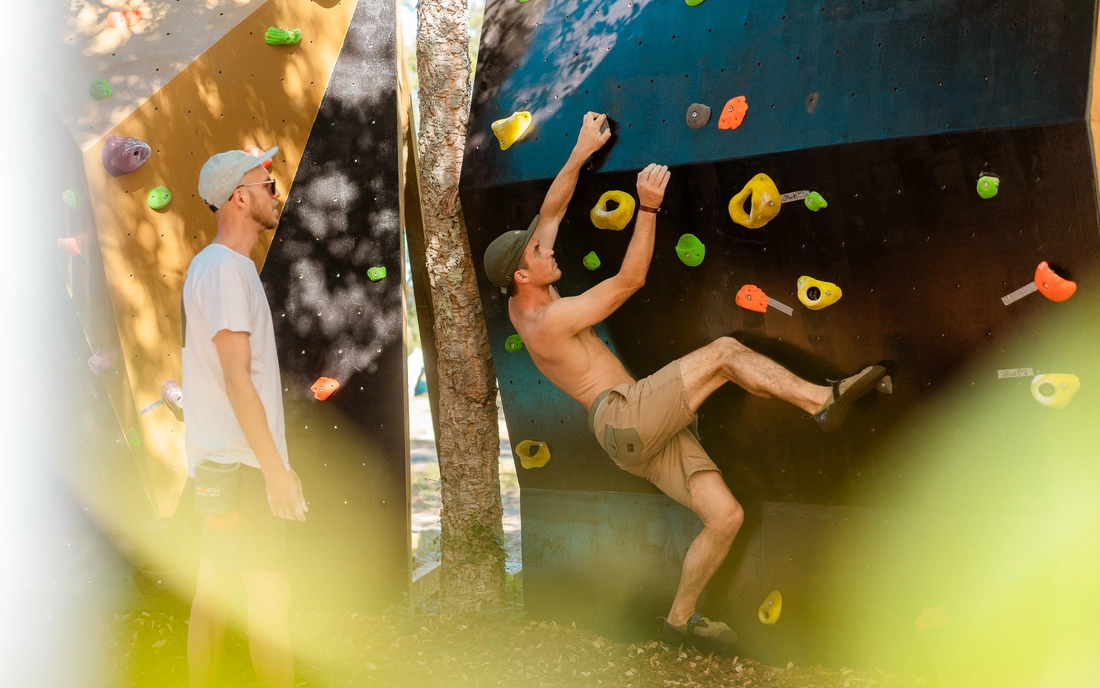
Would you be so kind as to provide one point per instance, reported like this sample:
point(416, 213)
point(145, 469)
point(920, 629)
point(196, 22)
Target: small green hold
point(133, 438)
point(101, 89)
point(693, 3)
point(68, 197)
point(690, 250)
point(159, 198)
point(277, 36)
point(591, 261)
point(815, 201)
point(376, 273)
point(513, 344)
point(523, 0)
point(988, 186)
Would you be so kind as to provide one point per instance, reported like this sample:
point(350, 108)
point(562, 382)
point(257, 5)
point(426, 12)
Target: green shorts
point(643, 427)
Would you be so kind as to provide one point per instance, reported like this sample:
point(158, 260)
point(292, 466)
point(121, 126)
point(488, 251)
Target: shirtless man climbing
point(643, 425)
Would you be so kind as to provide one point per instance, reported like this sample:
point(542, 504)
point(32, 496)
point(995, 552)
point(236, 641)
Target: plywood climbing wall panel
point(239, 92)
point(137, 57)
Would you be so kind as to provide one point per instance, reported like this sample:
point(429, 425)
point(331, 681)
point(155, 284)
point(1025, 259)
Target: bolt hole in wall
point(424, 469)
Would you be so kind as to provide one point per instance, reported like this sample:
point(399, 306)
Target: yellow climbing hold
point(617, 218)
point(764, 206)
point(1055, 389)
point(511, 129)
point(816, 294)
point(932, 618)
point(771, 609)
point(533, 454)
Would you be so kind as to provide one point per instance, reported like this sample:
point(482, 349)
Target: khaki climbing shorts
point(644, 429)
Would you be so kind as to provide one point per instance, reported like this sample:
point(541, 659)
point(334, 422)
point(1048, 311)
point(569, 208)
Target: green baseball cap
point(502, 256)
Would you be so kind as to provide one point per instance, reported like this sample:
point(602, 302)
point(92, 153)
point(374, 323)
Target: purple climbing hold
point(123, 155)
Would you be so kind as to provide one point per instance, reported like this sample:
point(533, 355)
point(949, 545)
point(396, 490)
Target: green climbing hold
point(693, 3)
point(987, 186)
point(133, 438)
point(376, 273)
point(815, 202)
point(277, 36)
point(101, 89)
point(68, 197)
point(690, 250)
point(159, 198)
point(513, 344)
point(591, 261)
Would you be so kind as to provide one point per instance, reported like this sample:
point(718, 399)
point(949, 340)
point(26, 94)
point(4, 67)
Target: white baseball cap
point(223, 172)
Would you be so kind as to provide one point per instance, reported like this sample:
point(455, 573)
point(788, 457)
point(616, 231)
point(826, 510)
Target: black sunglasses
point(274, 189)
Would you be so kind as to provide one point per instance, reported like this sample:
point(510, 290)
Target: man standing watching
point(235, 435)
point(644, 425)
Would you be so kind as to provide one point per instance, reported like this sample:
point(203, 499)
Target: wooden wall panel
point(241, 91)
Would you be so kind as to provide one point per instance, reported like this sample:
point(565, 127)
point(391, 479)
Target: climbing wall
point(894, 114)
point(191, 81)
point(335, 279)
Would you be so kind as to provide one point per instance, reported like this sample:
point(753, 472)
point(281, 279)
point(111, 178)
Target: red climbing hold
point(1051, 285)
point(324, 387)
point(733, 113)
point(120, 19)
point(751, 297)
point(69, 245)
point(258, 152)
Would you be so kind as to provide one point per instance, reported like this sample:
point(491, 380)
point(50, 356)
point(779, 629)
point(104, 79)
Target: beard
point(268, 220)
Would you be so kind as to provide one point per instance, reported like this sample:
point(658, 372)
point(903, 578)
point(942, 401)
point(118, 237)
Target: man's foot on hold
point(704, 634)
point(845, 393)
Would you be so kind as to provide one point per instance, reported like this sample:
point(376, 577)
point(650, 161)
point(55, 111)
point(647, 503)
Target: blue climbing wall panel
point(892, 111)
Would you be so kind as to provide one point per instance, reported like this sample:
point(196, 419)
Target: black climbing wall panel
point(341, 217)
point(891, 111)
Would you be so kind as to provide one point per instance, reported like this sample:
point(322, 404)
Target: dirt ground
point(500, 649)
point(426, 648)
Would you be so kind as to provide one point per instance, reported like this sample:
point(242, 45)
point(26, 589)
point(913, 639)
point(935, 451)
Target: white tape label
point(794, 196)
point(1015, 372)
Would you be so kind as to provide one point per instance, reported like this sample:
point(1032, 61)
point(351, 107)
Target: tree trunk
point(472, 535)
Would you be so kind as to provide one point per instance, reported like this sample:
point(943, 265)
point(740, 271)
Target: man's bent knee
point(731, 519)
point(729, 345)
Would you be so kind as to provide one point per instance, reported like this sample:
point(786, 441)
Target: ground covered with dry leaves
point(435, 650)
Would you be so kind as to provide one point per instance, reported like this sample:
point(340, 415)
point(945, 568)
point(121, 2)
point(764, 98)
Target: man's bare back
point(579, 363)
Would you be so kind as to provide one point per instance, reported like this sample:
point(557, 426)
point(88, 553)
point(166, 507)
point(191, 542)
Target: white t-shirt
point(223, 292)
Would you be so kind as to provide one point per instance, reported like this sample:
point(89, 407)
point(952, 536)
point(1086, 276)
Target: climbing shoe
point(845, 393)
point(704, 634)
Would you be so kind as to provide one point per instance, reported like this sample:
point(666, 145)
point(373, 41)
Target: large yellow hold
point(771, 609)
point(613, 219)
point(533, 454)
point(817, 294)
point(1055, 389)
point(511, 129)
point(765, 203)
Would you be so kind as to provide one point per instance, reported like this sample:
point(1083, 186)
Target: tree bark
point(471, 532)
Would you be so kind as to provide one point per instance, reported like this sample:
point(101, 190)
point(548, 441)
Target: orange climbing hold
point(1051, 285)
point(120, 19)
point(733, 113)
point(752, 297)
point(258, 152)
point(324, 387)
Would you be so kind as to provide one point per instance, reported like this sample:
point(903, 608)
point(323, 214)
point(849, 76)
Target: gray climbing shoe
point(845, 393)
point(704, 634)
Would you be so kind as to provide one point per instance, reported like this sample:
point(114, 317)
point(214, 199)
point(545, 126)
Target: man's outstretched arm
point(575, 313)
point(590, 140)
